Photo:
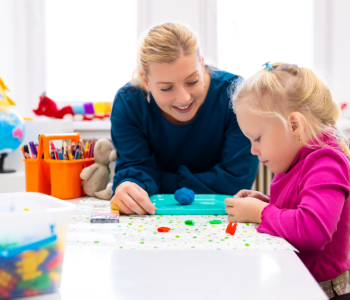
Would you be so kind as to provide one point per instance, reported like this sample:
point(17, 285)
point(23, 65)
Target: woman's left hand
point(244, 209)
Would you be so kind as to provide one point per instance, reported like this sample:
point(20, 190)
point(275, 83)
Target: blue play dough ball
point(184, 196)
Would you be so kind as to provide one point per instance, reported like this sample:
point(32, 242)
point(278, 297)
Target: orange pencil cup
point(59, 178)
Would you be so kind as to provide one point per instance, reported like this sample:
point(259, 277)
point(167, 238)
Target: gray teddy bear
point(96, 176)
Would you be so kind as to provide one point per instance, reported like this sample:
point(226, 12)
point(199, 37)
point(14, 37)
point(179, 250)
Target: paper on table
point(140, 232)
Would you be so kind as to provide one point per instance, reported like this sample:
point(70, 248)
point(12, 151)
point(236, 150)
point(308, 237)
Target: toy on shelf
point(12, 127)
point(4, 99)
point(84, 111)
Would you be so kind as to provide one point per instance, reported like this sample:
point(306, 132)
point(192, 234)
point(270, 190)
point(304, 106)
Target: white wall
point(332, 45)
point(198, 15)
point(22, 51)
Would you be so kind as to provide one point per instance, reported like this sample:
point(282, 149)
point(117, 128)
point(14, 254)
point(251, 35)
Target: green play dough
point(189, 222)
point(215, 222)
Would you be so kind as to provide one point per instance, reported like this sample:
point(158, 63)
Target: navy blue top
point(209, 155)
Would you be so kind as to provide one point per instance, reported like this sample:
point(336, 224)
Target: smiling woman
point(173, 126)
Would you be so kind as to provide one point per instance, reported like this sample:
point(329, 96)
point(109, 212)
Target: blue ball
point(184, 196)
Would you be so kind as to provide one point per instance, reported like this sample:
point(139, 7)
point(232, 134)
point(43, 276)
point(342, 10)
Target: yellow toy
point(4, 99)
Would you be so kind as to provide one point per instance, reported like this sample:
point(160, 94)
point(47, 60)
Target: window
point(91, 48)
point(252, 32)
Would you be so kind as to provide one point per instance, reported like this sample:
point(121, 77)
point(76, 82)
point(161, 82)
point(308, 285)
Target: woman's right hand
point(129, 198)
point(253, 194)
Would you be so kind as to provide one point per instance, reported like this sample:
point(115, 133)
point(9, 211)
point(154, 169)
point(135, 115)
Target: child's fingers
point(231, 201)
point(230, 210)
point(228, 201)
point(243, 193)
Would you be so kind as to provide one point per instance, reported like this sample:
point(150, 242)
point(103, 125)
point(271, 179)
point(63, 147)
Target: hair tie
point(268, 66)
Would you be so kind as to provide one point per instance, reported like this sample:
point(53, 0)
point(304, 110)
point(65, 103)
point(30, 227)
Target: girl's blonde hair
point(164, 44)
point(288, 88)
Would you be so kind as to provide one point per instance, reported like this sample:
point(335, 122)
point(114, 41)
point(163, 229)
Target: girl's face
point(179, 88)
point(275, 146)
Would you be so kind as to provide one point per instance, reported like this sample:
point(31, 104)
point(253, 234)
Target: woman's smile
point(183, 109)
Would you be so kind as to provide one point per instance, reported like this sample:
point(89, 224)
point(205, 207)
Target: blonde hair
point(288, 88)
point(164, 44)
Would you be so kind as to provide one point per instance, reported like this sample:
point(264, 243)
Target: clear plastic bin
point(33, 228)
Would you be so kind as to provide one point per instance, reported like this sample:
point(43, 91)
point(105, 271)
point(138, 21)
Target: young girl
point(289, 116)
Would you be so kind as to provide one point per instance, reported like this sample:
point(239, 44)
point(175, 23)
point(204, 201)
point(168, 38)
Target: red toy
point(163, 229)
point(84, 111)
point(231, 229)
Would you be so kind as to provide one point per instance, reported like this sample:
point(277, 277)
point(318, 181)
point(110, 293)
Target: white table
point(96, 273)
point(103, 273)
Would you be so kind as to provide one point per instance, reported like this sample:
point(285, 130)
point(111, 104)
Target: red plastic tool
point(163, 229)
point(231, 229)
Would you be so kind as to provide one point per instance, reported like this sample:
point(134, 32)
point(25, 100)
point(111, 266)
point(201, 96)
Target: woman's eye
point(166, 90)
point(193, 83)
point(257, 140)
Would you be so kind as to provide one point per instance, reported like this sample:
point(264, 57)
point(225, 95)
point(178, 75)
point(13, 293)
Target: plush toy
point(85, 111)
point(96, 176)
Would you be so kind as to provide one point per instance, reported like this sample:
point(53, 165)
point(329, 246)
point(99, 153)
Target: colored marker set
point(73, 151)
point(56, 171)
point(33, 148)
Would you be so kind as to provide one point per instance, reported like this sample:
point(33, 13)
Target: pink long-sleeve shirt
point(310, 208)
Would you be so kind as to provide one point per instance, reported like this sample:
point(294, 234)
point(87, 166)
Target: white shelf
point(89, 130)
point(91, 125)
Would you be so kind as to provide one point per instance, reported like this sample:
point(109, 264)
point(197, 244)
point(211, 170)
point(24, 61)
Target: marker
point(90, 147)
point(86, 147)
point(93, 147)
point(77, 152)
point(54, 149)
point(26, 151)
point(64, 151)
point(82, 147)
point(91, 150)
point(60, 155)
point(22, 148)
point(33, 149)
point(52, 154)
point(73, 148)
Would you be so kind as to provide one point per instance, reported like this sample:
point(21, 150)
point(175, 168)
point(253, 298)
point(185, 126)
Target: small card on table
point(104, 214)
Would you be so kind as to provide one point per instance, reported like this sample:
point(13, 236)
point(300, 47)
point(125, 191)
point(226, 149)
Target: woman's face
point(178, 88)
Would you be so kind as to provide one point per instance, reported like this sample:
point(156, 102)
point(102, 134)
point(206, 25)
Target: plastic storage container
point(33, 228)
point(58, 178)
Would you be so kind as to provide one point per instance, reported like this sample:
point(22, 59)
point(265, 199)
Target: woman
point(173, 126)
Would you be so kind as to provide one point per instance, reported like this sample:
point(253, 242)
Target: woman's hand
point(244, 209)
point(253, 194)
point(130, 198)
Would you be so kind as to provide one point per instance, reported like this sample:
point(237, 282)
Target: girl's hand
point(244, 209)
point(253, 194)
point(129, 198)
